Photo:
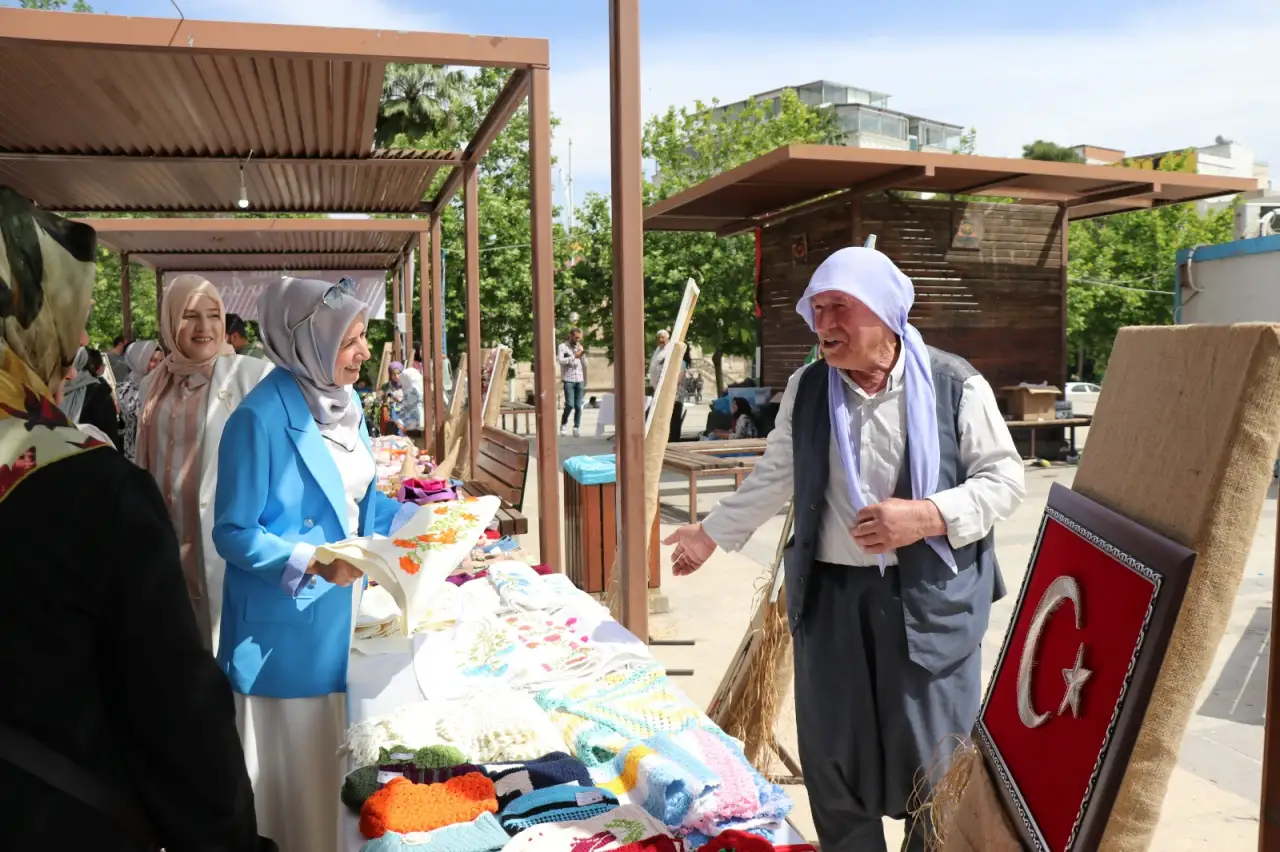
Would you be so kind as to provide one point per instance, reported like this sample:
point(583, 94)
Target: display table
point(380, 683)
point(607, 414)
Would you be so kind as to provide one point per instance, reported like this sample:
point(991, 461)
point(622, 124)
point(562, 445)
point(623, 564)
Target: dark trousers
point(871, 722)
point(573, 393)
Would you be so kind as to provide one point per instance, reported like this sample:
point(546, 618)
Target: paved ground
point(1214, 793)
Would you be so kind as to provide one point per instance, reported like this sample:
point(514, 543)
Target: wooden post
point(471, 211)
point(428, 363)
point(395, 313)
point(126, 298)
point(159, 299)
point(628, 309)
point(544, 318)
point(437, 331)
point(1269, 816)
point(406, 270)
point(1064, 218)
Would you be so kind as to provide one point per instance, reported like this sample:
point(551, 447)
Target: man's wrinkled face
point(851, 335)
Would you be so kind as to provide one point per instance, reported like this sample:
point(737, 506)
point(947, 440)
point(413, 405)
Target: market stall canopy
point(260, 244)
point(796, 178)
point(108, 113)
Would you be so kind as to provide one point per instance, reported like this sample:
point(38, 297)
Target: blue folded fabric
point(562, 803)
point(483, 834)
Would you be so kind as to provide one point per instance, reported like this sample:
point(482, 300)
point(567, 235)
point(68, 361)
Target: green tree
point(1051, 151)
point(686, 147)
point(54, 5)
point(1113, 262)
point(418, 100)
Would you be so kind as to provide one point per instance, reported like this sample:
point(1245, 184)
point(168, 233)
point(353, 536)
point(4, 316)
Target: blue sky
point(1138, 75)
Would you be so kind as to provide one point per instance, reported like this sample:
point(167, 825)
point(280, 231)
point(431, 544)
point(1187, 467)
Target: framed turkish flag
point(1070, 689)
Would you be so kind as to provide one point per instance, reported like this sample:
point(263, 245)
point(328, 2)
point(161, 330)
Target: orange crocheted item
point(402, 806)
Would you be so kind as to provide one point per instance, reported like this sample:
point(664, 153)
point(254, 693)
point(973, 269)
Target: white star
point(1075, 678)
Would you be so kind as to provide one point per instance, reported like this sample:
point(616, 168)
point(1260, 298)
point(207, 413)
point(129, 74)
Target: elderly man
point(900, 464)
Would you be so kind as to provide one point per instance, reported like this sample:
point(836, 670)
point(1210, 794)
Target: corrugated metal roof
point(211, 186)
point(250, 243)
point(71, 99)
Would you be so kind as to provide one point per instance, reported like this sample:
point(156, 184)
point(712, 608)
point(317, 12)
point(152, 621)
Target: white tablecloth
point(380, 683)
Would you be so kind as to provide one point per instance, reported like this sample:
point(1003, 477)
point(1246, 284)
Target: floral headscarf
point(46, 289)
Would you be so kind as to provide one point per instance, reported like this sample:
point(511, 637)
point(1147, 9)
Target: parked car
point(1083, 397)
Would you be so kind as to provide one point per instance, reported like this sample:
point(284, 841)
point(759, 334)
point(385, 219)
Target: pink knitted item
point(735, 799)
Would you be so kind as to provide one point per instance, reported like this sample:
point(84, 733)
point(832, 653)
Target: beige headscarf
point(177, 364)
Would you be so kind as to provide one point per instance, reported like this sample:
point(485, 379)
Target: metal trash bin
point(591, 524)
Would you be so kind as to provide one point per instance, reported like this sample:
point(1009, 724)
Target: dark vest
point(946, 613)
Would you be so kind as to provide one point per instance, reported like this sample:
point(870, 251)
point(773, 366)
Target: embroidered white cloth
point(413, 564)
point(620, 826)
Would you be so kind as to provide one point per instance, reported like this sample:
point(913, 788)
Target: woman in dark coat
point(117, 731)
point(87, 399)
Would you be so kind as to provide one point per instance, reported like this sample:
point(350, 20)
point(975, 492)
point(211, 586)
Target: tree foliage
point(1112, 259)
point(418, 100)
point(1051, 151)
point(688, 146)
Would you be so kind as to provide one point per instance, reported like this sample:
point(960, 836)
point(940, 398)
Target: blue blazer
point(278, 487)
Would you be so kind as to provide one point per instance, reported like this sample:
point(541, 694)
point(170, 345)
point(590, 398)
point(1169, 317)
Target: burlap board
point(1183, 442)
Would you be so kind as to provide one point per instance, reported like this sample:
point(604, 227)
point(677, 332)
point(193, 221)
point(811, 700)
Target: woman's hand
point(340, 572)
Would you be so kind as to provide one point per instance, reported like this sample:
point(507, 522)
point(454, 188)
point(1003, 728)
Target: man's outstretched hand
point(693, 547)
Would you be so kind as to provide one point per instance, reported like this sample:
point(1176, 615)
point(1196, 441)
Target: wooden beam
point(190, 37)
point(1088, 211)
point(984, 186)
point(159, 298)
point(509, 100)
point(437, 331)
point(1125, 192)
point(475, 397)
point(126, 298)
point(396, 353)
point(544, 319)
point(628, 309)
point(428, 363)
point(896, 179)
point(406, 275)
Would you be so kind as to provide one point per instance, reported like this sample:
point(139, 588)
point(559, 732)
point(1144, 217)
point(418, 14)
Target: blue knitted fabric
point(657, 774)
point(483, 834)
point(563, 803)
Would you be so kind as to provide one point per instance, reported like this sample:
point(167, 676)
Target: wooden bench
point(516, 411)
point(502, 467)
point(706, 459)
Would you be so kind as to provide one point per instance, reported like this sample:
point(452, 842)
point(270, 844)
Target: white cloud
point(1168, 81)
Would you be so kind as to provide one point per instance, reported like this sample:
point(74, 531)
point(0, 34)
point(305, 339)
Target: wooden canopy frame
point(191, 116)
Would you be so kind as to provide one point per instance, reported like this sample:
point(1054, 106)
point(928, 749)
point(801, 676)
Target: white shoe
point(577, 433)
point(561, 430)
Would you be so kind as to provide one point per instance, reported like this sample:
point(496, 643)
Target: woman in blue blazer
point(295, 470)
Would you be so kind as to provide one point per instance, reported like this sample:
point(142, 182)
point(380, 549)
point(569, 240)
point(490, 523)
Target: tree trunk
point(1080, 363)
point(717, 360)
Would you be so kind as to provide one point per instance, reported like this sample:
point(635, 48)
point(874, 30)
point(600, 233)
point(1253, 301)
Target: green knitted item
point(362, 783)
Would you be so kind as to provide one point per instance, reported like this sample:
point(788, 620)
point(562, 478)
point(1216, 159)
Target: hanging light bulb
point(243, 203)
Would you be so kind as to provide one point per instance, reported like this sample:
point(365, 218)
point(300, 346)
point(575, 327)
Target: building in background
point(865, 119)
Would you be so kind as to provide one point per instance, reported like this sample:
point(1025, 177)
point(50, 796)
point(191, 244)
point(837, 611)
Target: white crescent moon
point(1060, 590)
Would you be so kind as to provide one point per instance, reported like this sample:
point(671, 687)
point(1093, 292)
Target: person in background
point(296, 471)
point(744, 426)
point(118, 683)
point(115, 358)
point(574, 376)
point(88, 400)
point(186, 401)
point(237, 333)
point(142, 356)
point(392, 401)
point(898, 463)
point(659, 359)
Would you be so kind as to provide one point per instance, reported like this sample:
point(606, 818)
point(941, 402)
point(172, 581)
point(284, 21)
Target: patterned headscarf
point(46, 289)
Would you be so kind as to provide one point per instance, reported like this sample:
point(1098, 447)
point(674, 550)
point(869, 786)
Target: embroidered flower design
point(410, 563)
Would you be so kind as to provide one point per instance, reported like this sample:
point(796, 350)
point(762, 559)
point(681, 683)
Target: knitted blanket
point(658, 775)
point(513, 780)
point(563, 803)
point(620, 826)
point(492, 723)
point(404, 807)
point(735, 798)
point(599, 718)
point(483, 834)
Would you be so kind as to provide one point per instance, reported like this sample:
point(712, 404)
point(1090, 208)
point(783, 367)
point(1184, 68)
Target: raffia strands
point(965, 812)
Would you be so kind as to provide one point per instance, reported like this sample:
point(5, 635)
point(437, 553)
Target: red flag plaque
point(1071, 686)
